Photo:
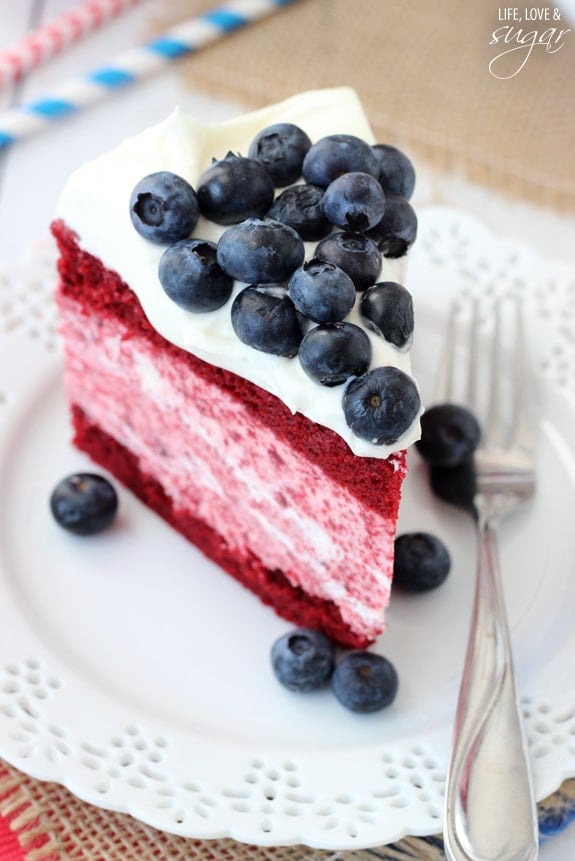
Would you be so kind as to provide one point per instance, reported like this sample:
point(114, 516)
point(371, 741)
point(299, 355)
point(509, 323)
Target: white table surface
point(32, 172)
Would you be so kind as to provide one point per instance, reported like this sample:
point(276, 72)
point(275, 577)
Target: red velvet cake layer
point(279, 502)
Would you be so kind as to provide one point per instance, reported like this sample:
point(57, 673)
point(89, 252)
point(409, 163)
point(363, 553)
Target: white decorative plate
point(137, 674)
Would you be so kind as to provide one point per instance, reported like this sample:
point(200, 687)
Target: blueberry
point(381, 405)
point(354, 201)
point(267, 320)
point(191, 276)
point(333, 155)
point(322, 291)
point(397, 176)
point(164, 207)
point(421, 562)
point(450, 434)
point(387, 308)
point(397, 230)
point(84, 503)
point(300, 207)
point(281, 149)
point(365, 682)
point(353, 252)
point(260, 251)
point(303, 659)
point(331, 353)
point(234, 188)
point(456, 485)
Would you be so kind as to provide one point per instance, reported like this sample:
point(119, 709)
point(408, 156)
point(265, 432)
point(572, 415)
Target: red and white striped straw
point(50, 39)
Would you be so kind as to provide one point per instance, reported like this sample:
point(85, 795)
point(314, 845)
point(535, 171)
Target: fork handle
point(490, 812)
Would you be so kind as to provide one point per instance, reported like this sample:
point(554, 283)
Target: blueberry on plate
point(300, 206)
point(84, 503)
point(355, 253)
point(354, 201)
point(303, 659)
point(331, 353)
point(267, 320)
point(365, 682)
point(381, 405)
point(191, 277)
point(260, 251)
point(234, 188)
point(333, 155)
point(456, 485)
point(281, 148)
point(387, 309)
point(397, 230)
point(396, 172)
point(450, 433)
point(164, 207)
point(421, 562)
point(322, 291)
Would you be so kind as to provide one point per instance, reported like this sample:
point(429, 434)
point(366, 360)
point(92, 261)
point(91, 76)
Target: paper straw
point(131, 66)
point(50, 39)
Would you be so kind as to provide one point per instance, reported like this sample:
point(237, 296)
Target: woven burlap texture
point(54, 825)
point(422, 72)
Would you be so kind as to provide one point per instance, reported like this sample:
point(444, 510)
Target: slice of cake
point(283, 464)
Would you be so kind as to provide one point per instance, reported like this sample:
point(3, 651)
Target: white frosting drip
point(94, 204)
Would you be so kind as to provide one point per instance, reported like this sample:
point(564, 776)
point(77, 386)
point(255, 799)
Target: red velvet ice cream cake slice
point(272, 474)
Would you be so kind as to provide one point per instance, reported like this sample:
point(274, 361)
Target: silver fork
point(490, 811)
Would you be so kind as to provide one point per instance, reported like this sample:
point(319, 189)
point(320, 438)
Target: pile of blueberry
point(348, 197)
point(305, 660)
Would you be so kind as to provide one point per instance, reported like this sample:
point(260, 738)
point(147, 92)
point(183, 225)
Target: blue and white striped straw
point(133, 65)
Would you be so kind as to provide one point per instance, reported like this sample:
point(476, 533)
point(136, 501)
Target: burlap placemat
point(51, 824)
point(428, 76)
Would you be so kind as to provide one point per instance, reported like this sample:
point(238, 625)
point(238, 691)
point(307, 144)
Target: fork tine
point(494, 433)
point(523, 425)
point(474, 363)
point(444, 379)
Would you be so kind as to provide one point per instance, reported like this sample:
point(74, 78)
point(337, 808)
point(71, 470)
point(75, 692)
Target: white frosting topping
point(95, 205)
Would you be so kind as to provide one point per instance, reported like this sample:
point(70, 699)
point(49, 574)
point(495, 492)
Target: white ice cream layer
point(95, 205)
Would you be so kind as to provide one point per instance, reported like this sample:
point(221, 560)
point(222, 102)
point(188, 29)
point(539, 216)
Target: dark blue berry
point(333, 155)
point(322, 291)
point(234, 188)
point(397, 175)
point(354, 201)
point(84, 503)
point(456, 485)
point(355, 253)
point(191, 276)
point(421, 562)
point(387, 308)
point(450, 434)
point(303, 659)
point(260, 251)
point(331, 353)
point(164, 207)
point(300, 206)
point(397, 230)
point(381, 405)
point(365, 682)
point(267, 320)
point(281, 149)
